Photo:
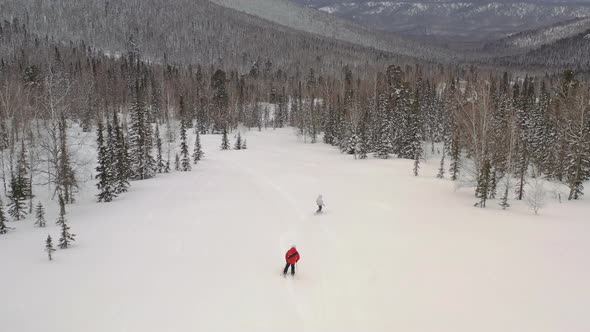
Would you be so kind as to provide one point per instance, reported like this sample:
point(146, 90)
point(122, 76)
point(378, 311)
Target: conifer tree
point(521, 171)
point(177, 163)
point(493, 183)
point(441, 169)
point(383, 144)
point(66, 177)
point(185, 163)
point(22, 173)
point(382, 140)
point(455, 158)
point(16, 206)
point(483, 184)
point(104, 168)
point(224, 140)
point(160, 165)
point(19, 187)
point(363, 138)
point(65, 236)
point(142, 162)
point(40, 215)
point(352, 145)
point(244, 145)
point(198, 151)
point(238, 145)
point(3, 227)
point(49, 247)
point(120, 156)
point(417, 157)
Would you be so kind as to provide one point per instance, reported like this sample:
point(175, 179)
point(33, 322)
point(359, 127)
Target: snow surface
point(203, 251)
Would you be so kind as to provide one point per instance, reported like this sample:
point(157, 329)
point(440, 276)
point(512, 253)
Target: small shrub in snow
point(49, 247)
point(536, 194)
point(238, 145)
point(66, 237)
point(40, 215)
point(198, 150)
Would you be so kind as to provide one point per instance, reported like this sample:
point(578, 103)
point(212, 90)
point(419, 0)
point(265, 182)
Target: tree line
point(495, 128)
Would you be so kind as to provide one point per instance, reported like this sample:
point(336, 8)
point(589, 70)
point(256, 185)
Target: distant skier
point(320, 202)
point(292, 257)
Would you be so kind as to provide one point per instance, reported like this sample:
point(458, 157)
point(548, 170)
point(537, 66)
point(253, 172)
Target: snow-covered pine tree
point(329, 132)
point(66, 177)
point(185, 164)
point(3, 227)
point(483, 184)
point(313, 119)
point(49, 247)
point(224, 139)
point(16, 206)
point(120, 156)
point(417, 157)
point(104, 168)
point(142, 163)
point(382, 141)
point(244, 145)
point(441, 168)
point(521, 170)
point(19, 187)
point(167, 168)
point(177, 162)
point(65, 236)
point(23, 169)
point(363, 137)
point(493, 183)
point(576, 132)
point(238, 145)
point(40, 215)
point(198, 153)
point(160, 165)
point(352, 145)
point(455, 157)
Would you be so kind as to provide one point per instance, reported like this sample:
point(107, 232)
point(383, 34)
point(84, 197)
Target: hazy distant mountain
point(288, 14)
point(534, 39)
point(185, 31)
point(467, 19)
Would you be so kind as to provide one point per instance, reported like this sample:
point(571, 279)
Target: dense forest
point(497, 130)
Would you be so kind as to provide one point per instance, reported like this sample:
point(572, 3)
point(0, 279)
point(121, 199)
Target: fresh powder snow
point(204, 251)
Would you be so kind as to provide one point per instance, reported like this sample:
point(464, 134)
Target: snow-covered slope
point(203, 251)
point(287, 13)
point(473, 19)
point(539, 37)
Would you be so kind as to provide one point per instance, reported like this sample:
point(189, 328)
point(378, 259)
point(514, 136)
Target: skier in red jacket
point(292, 257)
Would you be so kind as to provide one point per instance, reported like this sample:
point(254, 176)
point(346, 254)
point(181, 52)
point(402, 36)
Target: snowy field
point(203, 251)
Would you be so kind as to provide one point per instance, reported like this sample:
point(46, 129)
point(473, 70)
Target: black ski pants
point(287, 269)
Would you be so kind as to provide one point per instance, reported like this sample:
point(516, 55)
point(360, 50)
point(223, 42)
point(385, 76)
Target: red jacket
point(292, 256)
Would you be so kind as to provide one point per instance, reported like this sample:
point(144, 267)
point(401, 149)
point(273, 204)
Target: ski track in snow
point(297, 228)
